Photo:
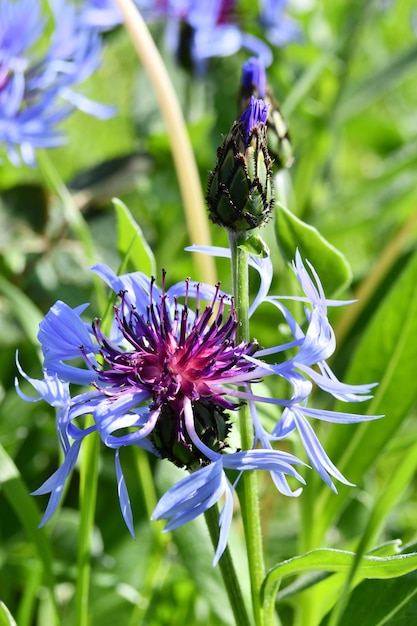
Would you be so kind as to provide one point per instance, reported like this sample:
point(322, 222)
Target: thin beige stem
point(368, 286)
point(187, 172)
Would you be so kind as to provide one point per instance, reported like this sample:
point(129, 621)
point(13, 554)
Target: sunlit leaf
point(330, 264)
point(6, 618)
point(25, 310)
point(131, 243)
point(329, 560)
point(391, 602)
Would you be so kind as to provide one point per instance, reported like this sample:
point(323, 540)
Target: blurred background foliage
point(349, 94)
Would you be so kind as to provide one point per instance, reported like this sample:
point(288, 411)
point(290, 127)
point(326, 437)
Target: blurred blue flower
point(199, 29)
point(101, 14)
point(167, 377)
point(36, 90)
point(279, 29)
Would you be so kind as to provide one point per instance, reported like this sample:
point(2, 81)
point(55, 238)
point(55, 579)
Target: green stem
point(88, 493)
point(228, 571)
point(186, 167)
point(248, 486)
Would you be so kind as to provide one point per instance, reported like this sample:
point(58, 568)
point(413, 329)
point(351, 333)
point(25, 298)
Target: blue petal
point(260, 459)
point(55, 483)
point(178, 496)
point(317, 456)
point(137, 285)
point(113, 415)
point(254, 75)
point(61, 334)
point(225, 521)
point(338, 416)
point(50, 389)
point(124, 496)
point(342, 391)
point(96, 109)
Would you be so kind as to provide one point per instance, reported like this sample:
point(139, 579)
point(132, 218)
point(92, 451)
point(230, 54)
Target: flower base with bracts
point(169, 376)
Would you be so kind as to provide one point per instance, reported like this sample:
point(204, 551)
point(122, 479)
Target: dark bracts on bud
point(240, 194)
point(172, 441)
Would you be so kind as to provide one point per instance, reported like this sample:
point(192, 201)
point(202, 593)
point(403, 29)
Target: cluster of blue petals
point(37, 90)
point(161, 351)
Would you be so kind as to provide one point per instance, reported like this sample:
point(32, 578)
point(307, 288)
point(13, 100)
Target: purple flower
point(167, 377)
point(36, 91)
point(255, 114)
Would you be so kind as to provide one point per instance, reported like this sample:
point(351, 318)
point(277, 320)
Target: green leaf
point(377, 84)
point(329, 560)
point(6, 618)
point(131, 243)
point(330, 264)
point(28, 315)
point(325, 587)
point(391, 602)
point(329, 581)
point(307, 80)
point(387, 354)
point(255, 245)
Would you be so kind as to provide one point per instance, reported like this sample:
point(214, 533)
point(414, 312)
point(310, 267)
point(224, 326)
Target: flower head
point(169, 376)
point(36, 91)
point(174, 357)
point(164, 379)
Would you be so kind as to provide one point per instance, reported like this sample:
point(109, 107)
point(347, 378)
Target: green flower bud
point(240, 194)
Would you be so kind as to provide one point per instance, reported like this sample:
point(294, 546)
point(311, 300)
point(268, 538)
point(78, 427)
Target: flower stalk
point(228, 571)
point(188, 176)
point(248, 487)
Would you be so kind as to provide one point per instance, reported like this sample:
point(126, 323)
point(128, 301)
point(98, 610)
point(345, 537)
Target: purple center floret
point(172, 358)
